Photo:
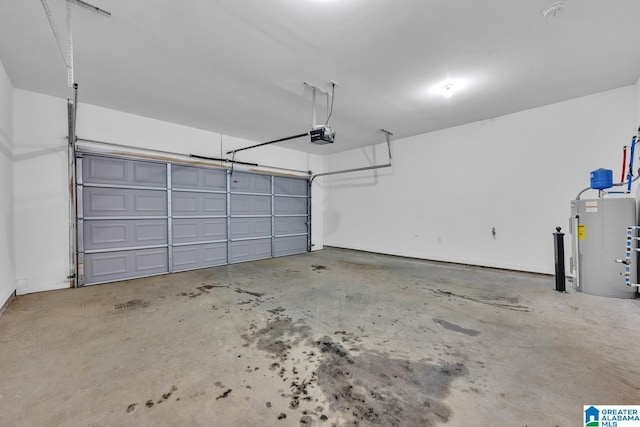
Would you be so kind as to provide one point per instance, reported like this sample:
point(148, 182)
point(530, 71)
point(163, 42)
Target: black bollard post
point(558, 249)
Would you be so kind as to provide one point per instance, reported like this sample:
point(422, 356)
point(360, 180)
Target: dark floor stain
point(149, 403)
point(319, 267)
point(278, 337)
point(305, 421)
point(513, 307)
point(255, 294)
point(282, 416)
point(455, 328)
point(366, 388)
point(213, 286)
point(225, 394)
point(268, 404)
point(133, 304)
point(373, 389)
point(191, 295)
point(358, 298)
point(496, 297)
point(323, 417)
point(131, 408)
point(203, 289)
point(168, 394)
point(300, 391)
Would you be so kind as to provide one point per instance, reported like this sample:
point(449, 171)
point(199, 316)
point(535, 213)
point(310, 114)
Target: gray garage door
point(140, 218)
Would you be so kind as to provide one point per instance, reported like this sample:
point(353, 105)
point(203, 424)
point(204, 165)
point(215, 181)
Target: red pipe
point(624, 162)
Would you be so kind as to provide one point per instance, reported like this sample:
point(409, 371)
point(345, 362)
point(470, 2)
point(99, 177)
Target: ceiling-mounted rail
point(286, 138)
point(387, 136)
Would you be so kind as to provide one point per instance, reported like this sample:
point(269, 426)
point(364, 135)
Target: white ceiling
point(238, 66)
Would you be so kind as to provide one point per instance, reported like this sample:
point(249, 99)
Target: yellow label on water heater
point(582, 232)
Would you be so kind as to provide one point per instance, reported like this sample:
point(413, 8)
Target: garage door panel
point(150, 203)
point(250, 183)
point(290, 245)
point(199, 256)
point(107, 170)
point(109, 234)
point(290, 186)
point(191, 204)
point(290, 206)
point(250, 227)
point(249, 250)
point(214, 179)
point(151, 232)
point(123, 202)
point(199, 230)
point(245, 204)
point(111, 266)
point(290, 225)
point(150, 174)
point(198, 178)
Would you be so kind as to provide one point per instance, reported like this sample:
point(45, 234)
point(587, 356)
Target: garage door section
point(250, 217)
point(140, 218)
point(122, 219)
point(198, 217)
point(290, 223)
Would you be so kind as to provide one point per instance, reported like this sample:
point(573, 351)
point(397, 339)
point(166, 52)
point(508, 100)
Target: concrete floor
point(334, 337)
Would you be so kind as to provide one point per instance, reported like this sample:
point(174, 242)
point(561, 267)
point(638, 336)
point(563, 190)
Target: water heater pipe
point(630, 176)
point(624, 162)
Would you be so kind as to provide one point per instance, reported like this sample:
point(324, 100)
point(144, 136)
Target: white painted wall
point(41, 183)
point(7, 260)
point(448, 189)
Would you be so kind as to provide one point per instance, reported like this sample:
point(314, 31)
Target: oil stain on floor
point(456, 328)
point(361, 387)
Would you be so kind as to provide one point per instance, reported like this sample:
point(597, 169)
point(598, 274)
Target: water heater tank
point(599, 236)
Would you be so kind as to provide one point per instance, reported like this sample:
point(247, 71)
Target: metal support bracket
point(67, 53)
point(387, 136)
point(314, 91)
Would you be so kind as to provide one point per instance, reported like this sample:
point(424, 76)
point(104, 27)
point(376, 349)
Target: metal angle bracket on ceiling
point(314, 92)
point(387, 136)
point(67, 53)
